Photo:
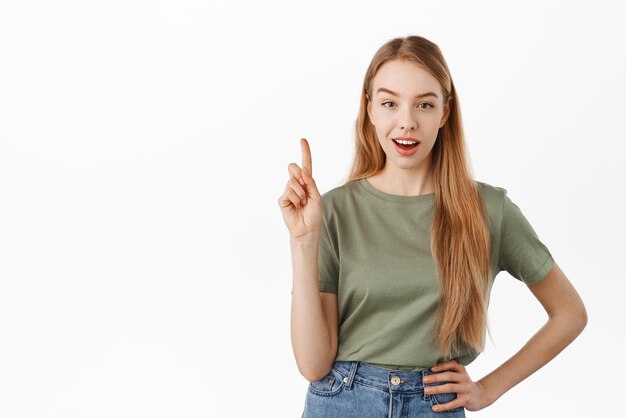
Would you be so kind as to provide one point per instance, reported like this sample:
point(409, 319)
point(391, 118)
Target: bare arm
point(567, 318)
point(314, 341)
point(313, 314)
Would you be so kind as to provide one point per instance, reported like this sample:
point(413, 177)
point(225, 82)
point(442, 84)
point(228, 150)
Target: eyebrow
point(430, 93)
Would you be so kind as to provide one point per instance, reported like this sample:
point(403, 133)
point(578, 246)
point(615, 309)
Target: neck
point(398, 181)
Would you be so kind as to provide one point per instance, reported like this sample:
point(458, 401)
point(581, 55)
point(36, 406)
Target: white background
point(145, 267)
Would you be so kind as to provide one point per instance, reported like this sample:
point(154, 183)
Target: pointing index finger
point(306, 156)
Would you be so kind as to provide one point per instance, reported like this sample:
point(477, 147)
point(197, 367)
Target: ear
point(446, 112)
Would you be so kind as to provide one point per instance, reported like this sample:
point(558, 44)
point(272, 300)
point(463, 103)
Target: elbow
point(583, 318)
point(316, 371)
point(315, 375)
point(579, 316)
point(574, 314)
point(576, 318)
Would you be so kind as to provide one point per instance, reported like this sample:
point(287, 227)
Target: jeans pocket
point(329, 385)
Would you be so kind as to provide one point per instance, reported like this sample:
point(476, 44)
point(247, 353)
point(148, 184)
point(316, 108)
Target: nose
point(408, 121)
point(409, 125)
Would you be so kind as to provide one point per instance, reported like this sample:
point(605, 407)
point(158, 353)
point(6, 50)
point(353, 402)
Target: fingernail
point(301, 181)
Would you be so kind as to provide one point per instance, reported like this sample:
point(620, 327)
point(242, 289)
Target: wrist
point(490, 391)
point(307, 241)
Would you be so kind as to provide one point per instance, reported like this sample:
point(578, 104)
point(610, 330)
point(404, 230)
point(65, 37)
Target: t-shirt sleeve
point(327, 262)
point(522, 254)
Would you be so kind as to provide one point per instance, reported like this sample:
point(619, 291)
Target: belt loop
point(425, 373)
point(348, 380)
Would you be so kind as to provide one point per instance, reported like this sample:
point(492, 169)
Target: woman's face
point(406, 102)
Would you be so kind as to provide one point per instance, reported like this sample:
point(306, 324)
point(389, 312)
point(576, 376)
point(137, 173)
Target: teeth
point(400, 141)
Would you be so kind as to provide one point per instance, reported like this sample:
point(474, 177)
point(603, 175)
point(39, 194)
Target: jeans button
point(395, 380)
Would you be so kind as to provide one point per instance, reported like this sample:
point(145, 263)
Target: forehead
point(407, 78)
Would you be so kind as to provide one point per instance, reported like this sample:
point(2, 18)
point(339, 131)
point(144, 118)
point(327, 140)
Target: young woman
point(392, 271)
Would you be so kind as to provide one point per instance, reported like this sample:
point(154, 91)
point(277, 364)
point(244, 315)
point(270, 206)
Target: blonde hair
point(459, 235)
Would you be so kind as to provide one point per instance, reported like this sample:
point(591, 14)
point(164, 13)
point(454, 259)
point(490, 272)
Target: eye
point(427, 104)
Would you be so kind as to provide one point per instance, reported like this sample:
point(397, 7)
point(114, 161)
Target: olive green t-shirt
point(375, 254)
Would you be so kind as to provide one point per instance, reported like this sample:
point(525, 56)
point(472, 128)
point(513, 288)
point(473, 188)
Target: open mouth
point(405, 148)
point(406, 144)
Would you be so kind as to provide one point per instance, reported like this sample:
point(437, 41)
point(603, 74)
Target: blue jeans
point(362, 390)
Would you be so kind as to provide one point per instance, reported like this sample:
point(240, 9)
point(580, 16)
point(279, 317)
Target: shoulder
point(339, 201)
point(340, 194)
point(493, 196)
point(490, 191)
point(494, 200)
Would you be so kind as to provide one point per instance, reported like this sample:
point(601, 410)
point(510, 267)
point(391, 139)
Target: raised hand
point(301, 203)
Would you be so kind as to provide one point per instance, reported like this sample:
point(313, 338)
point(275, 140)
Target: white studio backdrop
point(145, 268)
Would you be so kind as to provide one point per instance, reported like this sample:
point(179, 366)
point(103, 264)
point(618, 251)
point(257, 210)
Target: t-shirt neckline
point(365, 185)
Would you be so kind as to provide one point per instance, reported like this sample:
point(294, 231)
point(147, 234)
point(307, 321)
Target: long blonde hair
point(459, 235)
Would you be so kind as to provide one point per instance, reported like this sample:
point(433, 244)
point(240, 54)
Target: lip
point(405, 152)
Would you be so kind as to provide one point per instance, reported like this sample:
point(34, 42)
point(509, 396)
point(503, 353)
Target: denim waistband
point(379, 377)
